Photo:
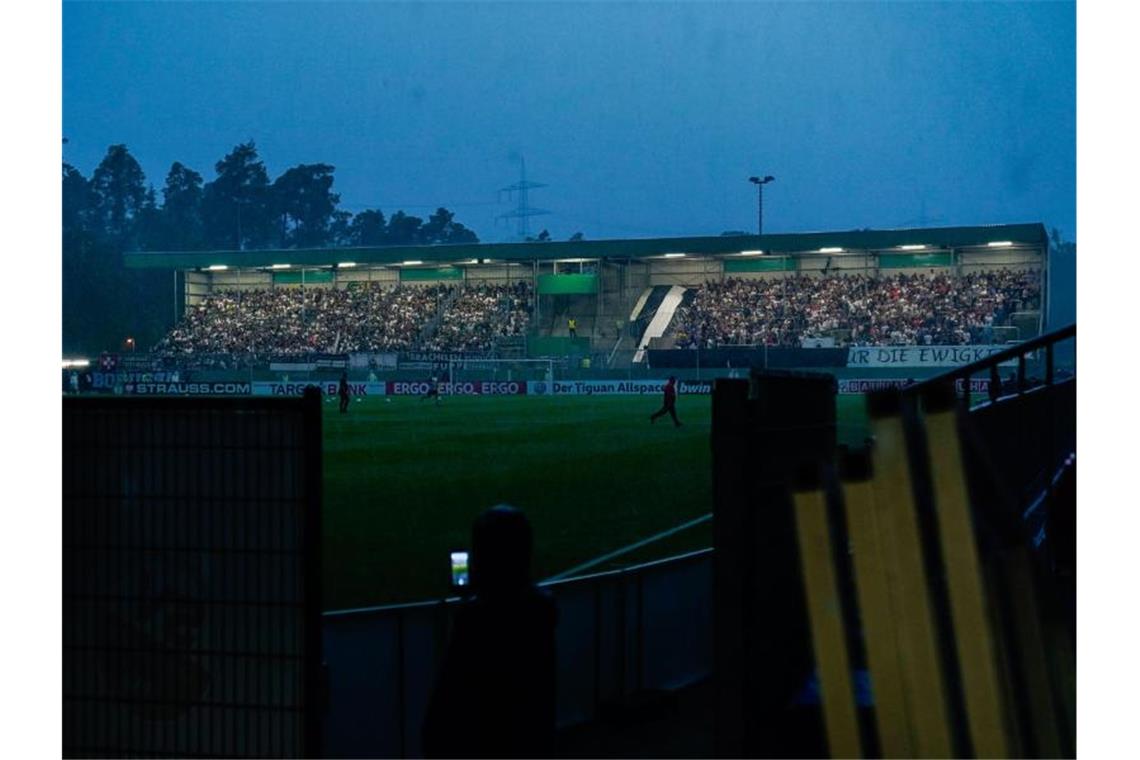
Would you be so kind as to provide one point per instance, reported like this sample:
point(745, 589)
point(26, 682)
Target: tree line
point(116, 210)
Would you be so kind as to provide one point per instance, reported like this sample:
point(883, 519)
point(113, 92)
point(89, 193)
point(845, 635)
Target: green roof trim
point(790, 243)
point(915, 260)
point(301, 278)
point(431, 274)
point(567, 284)
point(760, 264)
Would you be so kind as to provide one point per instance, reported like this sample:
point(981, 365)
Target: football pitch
point(404, 479)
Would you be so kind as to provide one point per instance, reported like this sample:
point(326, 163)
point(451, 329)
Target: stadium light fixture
point(217, 267)
point(280, 266)
point(674, 255)
point(831, 249)
point(345, 264)
point(760, 182)
point(1000, 243)
point(751, 253)
point(912, 247)
point(412, 262)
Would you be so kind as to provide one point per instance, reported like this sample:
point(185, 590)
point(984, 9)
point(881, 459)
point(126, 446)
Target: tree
point(368, 228)
point(304, 202)
point(236, 209)
point(441, 227)
point(460, 234)
point(340, 229)
point(438, 226)
point(76, 200)
point(149, 227)
point(118, 191)
point(182, 209)
point(576, 237)
point(404, 229)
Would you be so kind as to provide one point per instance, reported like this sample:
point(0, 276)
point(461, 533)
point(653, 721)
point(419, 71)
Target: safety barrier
point(645, 627)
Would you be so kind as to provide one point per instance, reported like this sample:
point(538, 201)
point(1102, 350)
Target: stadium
point(874, 308)
point(531, 374)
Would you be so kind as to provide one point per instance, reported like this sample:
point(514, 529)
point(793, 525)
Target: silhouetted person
point(495, 693)
point(342, 391)
point(669, 402)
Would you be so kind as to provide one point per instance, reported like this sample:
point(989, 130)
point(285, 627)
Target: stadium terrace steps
point(661, 319)
point(428, 331)
point(582, 308)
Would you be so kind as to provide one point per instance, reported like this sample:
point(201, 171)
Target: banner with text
point(109, 380)
point(919, 356)
point(187, 389)
point(471, 388)
point(616, 387)
point(372, 360)
point(328, 388)
point(419, 358)
point(849, 386)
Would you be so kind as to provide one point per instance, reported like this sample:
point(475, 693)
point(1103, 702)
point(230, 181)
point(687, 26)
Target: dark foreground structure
point(191, 577)
point(915, 597)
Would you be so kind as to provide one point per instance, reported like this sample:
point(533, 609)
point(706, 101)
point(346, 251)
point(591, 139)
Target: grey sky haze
point(644, 119)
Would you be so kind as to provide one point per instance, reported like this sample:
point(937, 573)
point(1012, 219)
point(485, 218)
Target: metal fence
point(619, 632)
point(191, 592)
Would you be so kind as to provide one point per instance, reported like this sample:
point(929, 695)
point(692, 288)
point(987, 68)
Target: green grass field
point(404, 479)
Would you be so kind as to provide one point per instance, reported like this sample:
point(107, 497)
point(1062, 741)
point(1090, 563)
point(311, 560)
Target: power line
point(524, 210)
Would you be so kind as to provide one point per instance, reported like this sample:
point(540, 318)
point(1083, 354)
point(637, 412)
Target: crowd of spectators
point(290, 322)
point(294, 322)
point(904, 309)
point(480, 315)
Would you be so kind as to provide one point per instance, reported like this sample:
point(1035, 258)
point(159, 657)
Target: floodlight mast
point(760, 200)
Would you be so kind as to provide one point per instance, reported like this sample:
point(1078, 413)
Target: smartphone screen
point(459, 576)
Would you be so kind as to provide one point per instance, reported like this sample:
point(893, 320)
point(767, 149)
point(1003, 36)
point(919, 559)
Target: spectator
point(232, 327)
point(899, 309)
point(495, 694)
point(480, 316)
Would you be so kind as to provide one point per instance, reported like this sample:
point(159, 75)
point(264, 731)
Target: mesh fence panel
point(190, 577)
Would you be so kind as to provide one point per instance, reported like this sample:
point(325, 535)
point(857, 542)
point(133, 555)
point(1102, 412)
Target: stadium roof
point(789, 243)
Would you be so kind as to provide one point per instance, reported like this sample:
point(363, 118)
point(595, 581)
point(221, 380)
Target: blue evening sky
point(644, 119)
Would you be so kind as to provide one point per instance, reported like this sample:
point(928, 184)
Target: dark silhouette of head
point(501, 545)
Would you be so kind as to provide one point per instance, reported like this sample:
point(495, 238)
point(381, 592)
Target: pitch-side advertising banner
point(328, 388)
point(919, 356)
point(471, 388)
point(849, 386)
point(187, 389)
point(615, 387)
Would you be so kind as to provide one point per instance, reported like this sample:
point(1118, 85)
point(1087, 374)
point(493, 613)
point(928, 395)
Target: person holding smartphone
point(495, 691)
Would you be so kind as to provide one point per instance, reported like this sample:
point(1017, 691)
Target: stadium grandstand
point(633, 302)
point(830, 352)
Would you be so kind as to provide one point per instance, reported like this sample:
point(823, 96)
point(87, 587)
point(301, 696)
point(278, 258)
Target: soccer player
point(343, 392)
point(433, 389)
point(669, 405)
